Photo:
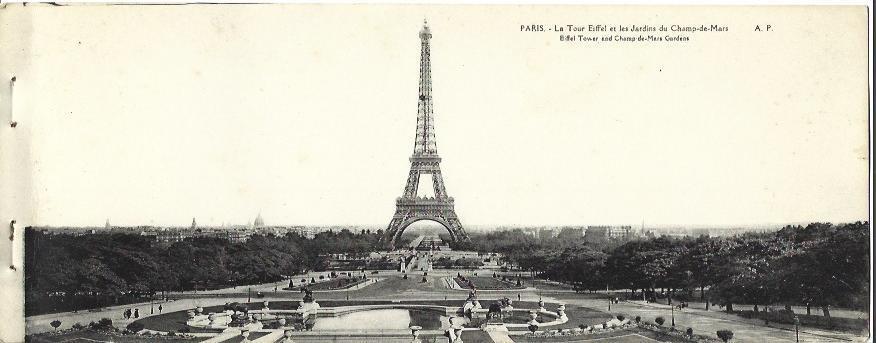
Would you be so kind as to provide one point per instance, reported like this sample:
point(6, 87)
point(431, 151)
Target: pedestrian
point(128, 313)
point(159, 309)
point(125, 314)
point(518, 296)
point(136, 313)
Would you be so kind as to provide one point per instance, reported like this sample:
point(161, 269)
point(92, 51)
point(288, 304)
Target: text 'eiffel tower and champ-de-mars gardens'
point(425, 162)
point(634, 33)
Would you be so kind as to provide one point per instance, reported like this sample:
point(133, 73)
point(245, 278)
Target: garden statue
point(561, 310)
point(533, 326)
point(308, 295)
point(495, 311)
point(470, 307)
point(506, 303)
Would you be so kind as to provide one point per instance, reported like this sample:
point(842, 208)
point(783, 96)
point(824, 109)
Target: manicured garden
point(485, 283)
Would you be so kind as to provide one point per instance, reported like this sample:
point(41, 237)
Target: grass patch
point(88, 335)
point(621, 336)
point(332, 284)
point(486, 283)
point(851, 325)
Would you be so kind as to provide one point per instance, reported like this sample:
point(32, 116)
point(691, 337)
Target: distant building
point(238, 235)
point(168, 236)
point(605, 232)
point(620, 232)
point(547, 233)
point(571, 233)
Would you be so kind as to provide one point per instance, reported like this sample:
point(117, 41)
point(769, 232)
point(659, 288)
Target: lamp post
point(797, 328)
point(609, 304)
point(673, 316)
point(249, 294)
point(152, 304)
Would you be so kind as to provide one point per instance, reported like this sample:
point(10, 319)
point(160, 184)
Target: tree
point(55, 324)
point(659, 321)
point(831, 267)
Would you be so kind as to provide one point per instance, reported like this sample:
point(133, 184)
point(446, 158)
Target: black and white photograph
point(435, 173)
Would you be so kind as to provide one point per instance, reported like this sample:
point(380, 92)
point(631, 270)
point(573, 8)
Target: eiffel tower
point(410, 208)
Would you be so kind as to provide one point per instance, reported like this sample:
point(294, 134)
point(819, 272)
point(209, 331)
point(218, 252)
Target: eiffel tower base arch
point(407, 214)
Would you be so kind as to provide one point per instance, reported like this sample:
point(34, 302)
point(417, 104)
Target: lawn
point(336, 283)
point(340, 282)
point(486, 283)
point(92, 336)
point(633, 335)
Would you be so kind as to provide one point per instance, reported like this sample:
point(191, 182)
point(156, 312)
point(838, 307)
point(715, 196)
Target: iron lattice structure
point(410, 207)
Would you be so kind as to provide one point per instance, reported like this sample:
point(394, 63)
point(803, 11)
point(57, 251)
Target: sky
point(306, 114)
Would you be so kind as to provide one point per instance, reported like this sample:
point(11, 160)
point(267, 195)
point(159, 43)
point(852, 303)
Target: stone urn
point(561, 310)
point(540, 305)
point(533, 315)
point(191, 314)
point(199, 310)
point(265, 306)
point(282, 321)
point(245, 334)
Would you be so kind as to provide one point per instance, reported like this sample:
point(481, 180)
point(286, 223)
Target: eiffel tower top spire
point(424, 143)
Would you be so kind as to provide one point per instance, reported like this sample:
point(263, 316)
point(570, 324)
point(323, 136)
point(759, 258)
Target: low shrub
point(135, 327)
point(725, 335)
point(78, 326)
point(659, 321)
point(272, 325)
point(620, 317)
point(104, 324)
point(638, 319)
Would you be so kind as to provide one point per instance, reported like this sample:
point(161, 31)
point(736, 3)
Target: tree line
point(66, 272)
point(817, 265)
